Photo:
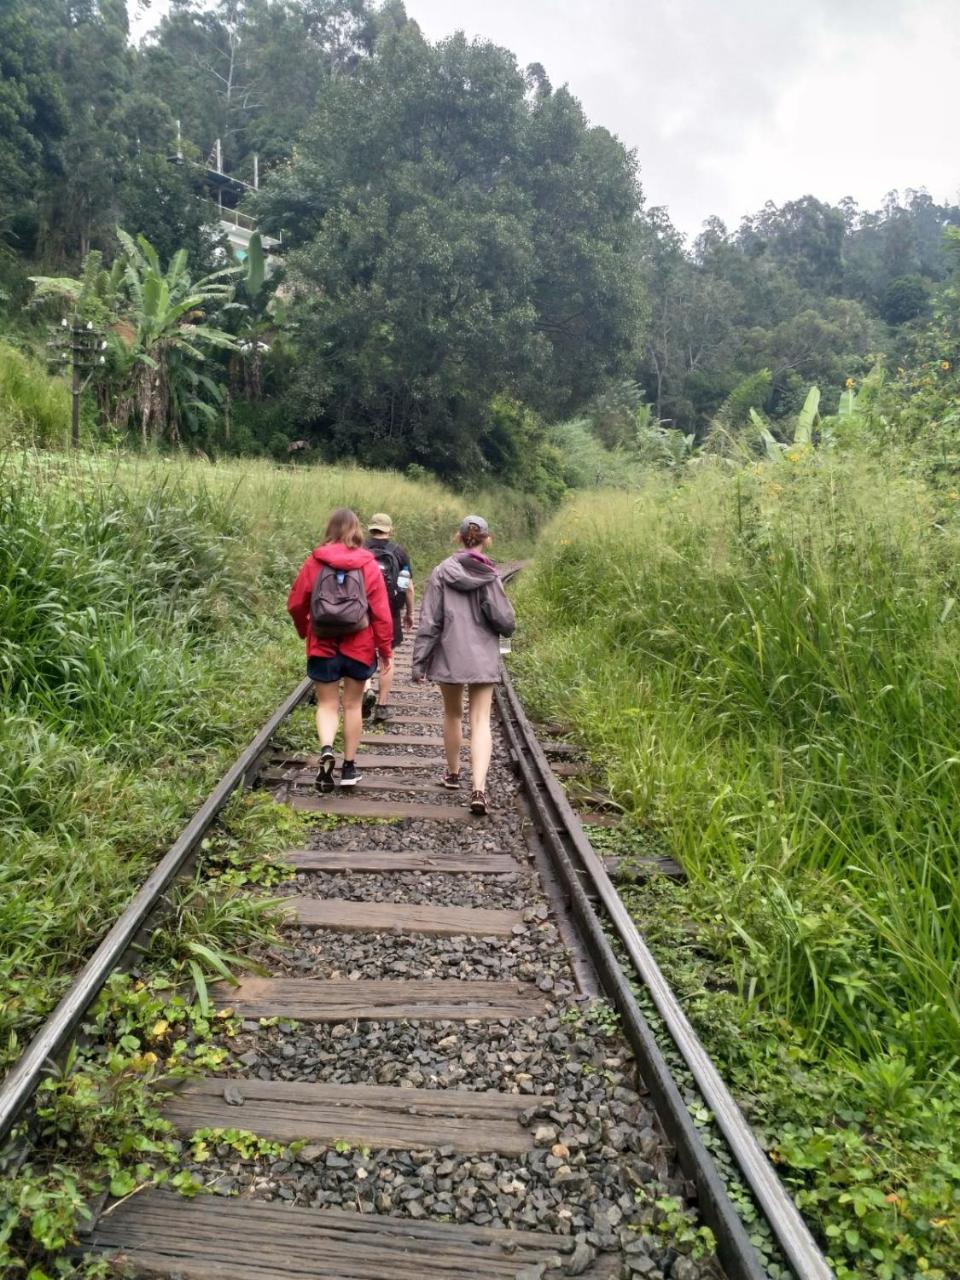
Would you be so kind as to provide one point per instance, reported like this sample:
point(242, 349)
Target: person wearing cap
point(394, 562)
point(464, 613)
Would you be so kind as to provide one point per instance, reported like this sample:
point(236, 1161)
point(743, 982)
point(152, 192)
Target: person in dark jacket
point(380, 540)
point(464, 613)
point(351, 659)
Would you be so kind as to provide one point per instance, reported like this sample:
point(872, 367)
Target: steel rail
point(20, 1083)
point(786, 1222)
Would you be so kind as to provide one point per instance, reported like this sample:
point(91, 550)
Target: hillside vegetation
point(765, 664)
point(467, 260)
point(34, 407)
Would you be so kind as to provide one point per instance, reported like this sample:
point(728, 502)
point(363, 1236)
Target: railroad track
point(437, 1040)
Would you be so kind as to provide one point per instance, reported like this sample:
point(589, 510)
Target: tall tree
point(248, 72)
point(583, 190)
point(32, 116)
point(93, 62)
point(437, 260)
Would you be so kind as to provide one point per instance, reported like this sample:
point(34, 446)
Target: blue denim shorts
point(330, 670)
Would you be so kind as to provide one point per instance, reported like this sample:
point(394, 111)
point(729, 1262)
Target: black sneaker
point(369, 702)
point(381, 713)
point(328, 759)
point(348, 774)
point(451, 781)
point(478, 803)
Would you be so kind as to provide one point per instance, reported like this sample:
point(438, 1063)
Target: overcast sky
point(729, 103)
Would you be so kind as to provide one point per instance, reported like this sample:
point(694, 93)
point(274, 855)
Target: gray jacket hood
point(465, 572)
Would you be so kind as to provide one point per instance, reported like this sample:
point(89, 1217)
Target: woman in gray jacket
point(464, 613)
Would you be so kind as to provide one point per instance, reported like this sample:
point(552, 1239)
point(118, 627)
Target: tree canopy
point(455, 234)
point(465, 256)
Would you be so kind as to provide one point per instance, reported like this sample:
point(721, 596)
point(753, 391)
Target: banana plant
point(860, 411)
point(168, 310)
point(161, 335)
point(803, 427)
point(807, 418)
point(264, 313)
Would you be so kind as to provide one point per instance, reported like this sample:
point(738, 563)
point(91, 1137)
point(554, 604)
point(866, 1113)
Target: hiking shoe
point(381, 713)
point(324, 781)
point(369, 702)
point(451, 781)
point(478, 803)
point(348, 774)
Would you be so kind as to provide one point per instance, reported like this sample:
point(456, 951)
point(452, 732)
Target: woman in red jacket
point(350, 658)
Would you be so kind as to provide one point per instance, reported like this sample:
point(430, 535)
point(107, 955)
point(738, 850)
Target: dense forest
point(468, 280)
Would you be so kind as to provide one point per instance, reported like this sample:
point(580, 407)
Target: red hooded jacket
point(364, 645)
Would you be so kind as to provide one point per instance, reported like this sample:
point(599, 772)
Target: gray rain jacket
point(464, 612)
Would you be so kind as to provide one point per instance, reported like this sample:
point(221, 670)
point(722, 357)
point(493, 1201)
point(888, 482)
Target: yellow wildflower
point(850, 383)
point(944, 364)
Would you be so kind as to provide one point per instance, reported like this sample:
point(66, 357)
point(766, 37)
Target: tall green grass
point(143, 637)
point(769, 663)
point(766, 666)
point(34, 407)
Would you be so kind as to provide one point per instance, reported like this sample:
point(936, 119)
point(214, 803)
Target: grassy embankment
point(766, 668)
point(34, 407)
point(143, 638)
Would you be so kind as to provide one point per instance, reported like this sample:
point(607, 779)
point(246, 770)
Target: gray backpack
point(338, 603)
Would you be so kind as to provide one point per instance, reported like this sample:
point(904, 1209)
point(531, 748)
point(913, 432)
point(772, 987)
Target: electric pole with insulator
point(83, 348)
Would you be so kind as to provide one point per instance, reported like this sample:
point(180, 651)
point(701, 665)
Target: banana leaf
point(256, 265)
point(807, 418)
point(848, 404)
point(773, 447)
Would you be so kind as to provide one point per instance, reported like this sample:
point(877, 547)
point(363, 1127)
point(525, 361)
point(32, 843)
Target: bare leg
point(481, 739)
point(352, 716)
point(452, 724)
point(386, 684)
point(328, 711)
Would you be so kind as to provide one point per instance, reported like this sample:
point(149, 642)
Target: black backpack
point(338, 603)
point(388, 558)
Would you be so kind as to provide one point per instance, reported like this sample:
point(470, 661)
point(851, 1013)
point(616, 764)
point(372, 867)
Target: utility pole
point(76, 386)
point(84, 350)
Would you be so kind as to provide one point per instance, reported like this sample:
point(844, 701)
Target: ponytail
point(472, 537)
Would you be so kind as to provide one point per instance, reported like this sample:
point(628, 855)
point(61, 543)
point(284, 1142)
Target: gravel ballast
point(515, 891)
point(599, 1162)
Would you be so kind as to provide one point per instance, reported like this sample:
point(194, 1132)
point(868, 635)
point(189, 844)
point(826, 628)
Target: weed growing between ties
point(97, 1127)
point(766, 664)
